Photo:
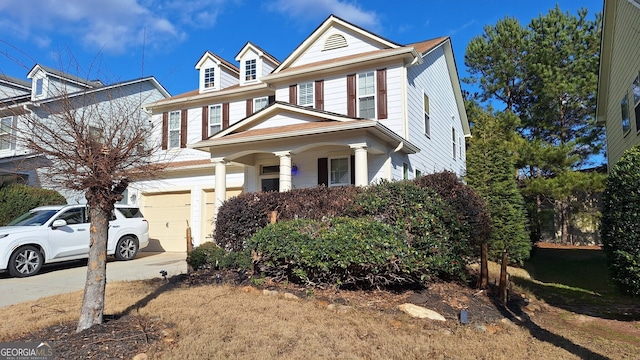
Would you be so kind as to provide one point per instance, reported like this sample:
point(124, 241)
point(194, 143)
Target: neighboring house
point(619, 78)
point(46, 89)
point(345, 107)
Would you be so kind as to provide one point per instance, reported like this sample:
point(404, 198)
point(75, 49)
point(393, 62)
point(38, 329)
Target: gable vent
point(335, 41)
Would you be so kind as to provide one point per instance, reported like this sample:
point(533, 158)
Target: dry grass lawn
point(224, 322)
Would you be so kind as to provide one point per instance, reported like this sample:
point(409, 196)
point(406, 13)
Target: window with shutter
point(174, 129)
point(305, 94)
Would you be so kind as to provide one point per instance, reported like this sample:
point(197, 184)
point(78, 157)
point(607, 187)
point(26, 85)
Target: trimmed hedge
point(211, 255)
point(337, 252)
point(470, 207)
point(430, 225)
point(241, 217)
point(17, 199)
point(620, 229)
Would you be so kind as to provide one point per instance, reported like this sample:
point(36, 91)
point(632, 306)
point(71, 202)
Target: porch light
point(294, 169)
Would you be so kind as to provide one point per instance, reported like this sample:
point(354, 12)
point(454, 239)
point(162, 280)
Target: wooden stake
point(502, 289)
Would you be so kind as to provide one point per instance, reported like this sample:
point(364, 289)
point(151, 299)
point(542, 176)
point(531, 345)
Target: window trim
point(624, 114)
point(210, 117)
point(347, 175)
point(453, 142)
point(427, 117)
point(310, 86)
point(255, 103)
point(177, 131)
point(635, 94)
point(39, 87)
point(373, 95)
point(250, 73)
point(8, 134)
point(209, 74)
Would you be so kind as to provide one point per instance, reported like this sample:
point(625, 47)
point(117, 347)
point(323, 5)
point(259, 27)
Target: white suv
point(50, 234)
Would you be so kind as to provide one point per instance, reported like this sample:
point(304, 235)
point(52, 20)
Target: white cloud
point(312, 9)
point(112, 26)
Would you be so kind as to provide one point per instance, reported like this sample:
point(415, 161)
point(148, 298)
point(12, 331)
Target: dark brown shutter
point(225, 115)
point(353, 169)
point(183, 128)
point(205, 122)
point(293, 94)
point(323, 171)
point(271, 99)
point(165, 130)
point(381, 78)
point(249, 107)
point(319, 94)
point(351, 95)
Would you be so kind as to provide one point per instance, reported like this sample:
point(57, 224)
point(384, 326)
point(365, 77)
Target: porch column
point(362, 167)
point(221, 182)
point(285, 170)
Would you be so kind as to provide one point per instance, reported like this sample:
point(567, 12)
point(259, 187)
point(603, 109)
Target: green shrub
point(17, 199)
point(337, 252)
point(211, 255)
point(470, 207)
point(620, 229)
point(242, 216)
point(430, 225)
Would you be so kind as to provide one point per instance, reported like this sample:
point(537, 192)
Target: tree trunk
point(484, 266)
point(502, 288)
point(94, 289)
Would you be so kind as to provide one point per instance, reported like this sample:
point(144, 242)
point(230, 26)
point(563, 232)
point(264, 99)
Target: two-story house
point(618, 106)
point(345, 107)
point(45, 90)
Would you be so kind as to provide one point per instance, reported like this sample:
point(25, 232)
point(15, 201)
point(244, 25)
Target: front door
point(270, 184)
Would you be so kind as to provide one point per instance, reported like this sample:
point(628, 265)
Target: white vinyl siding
point(432, 78)
point(174, 129)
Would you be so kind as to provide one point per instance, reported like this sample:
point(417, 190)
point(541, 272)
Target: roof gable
point(249, 46)
point(208, 55)
point(332, 34)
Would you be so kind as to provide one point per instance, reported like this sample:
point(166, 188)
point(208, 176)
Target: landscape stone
point(420, 312)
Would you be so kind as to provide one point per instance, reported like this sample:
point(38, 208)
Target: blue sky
point(119, 40)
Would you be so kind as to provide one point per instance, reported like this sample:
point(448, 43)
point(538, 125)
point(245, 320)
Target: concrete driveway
point(70, 276)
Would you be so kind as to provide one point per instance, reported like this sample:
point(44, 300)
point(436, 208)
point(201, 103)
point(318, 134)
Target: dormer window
point(209, 77)
point(250, 70)
point(39, 85)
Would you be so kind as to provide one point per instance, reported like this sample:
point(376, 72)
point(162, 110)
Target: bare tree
point(96, 142)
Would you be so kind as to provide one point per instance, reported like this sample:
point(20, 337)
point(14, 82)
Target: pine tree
point(492, 174)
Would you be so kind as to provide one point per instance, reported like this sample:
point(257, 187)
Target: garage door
point(209, 210)
point(167, 214)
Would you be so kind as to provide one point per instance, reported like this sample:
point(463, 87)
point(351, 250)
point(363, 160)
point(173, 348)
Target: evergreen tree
point(492, 174)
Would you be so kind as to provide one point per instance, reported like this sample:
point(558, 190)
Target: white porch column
point(285, 170)
point(221, 182)
point(362, 167)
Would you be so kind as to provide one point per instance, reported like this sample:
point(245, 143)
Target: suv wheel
point(126, 248)
point(25, 261)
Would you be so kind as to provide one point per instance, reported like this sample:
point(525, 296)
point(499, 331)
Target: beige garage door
point(209, 210)
point(167, 214)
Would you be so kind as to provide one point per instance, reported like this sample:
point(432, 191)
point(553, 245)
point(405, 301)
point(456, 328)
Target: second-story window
point(250, 70)
point(636, 100)
point(624, 111)
point(260, 103)
point(39, 86)
point(209, 78)
point(453, 142)
point(174, 129)
point(366, 95)
point(5, 133)
point(215, 119)
point(427, 118)
point(305, 94)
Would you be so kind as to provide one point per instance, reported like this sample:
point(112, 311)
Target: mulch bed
point(125, 336)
